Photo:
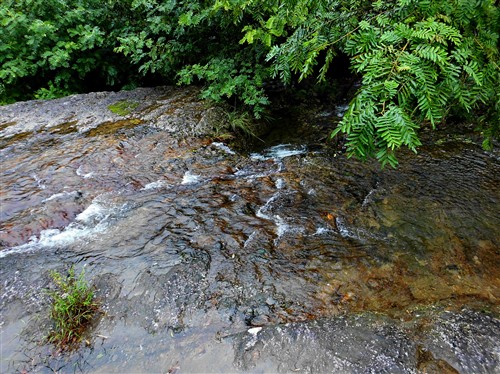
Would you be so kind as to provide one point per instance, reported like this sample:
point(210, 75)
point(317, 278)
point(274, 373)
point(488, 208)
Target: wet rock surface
point(433, 341)
point(176, 111)
point(287, 259)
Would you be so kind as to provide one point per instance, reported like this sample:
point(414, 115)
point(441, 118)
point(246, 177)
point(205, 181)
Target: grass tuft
point(73, 309)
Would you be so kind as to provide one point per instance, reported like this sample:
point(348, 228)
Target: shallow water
point(192, 244)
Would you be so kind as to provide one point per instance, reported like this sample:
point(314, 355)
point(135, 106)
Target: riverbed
point(285, 257)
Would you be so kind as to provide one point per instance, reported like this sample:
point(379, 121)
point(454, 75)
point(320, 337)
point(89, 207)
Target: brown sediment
point(7, 124)
point(4, 142)
point(65, 128)
point(407, 283)
point(427, 363)
point(109, 128)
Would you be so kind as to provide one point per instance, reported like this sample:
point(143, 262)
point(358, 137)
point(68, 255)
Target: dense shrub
point(51, 48)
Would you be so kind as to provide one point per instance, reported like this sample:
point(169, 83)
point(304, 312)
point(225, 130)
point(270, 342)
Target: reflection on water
point(193, 241)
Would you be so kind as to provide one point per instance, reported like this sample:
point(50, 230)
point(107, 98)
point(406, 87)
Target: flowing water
point(207, 259)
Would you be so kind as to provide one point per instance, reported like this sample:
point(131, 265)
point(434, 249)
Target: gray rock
point(178, 111)
point(444, 342)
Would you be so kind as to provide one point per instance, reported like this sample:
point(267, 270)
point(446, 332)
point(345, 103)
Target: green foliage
point(50, 48)
point(228, 79)
point(418, 61)
point(73, 309)
point(198, 42)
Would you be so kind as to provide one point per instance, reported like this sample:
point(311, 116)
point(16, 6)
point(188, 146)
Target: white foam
point(56, 238)
point(341, 109)
point(190, 178)
point(322, 230)
point(368, 198)
point(94, 211)
point(357, 233)
point(80, 173)
point(155, 185)
point(259, 157)
point(311, 192)
point(282, 227)
point(70, 234)
point(280, 183)
point(324, 114)
point(250, 175)
point(19, 249)
point(253, 331)
point(38, 182)
point(249, 239)
point(343, 230)
point(224, 147)
point(261, 213)
point(91, 221)
point(61, 195)
point(278, 152)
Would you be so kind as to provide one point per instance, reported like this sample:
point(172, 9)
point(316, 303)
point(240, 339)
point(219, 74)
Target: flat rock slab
point(177, 111)
point(435, 342)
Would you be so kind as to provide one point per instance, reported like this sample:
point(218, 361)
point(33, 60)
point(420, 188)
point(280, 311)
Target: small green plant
point(73, 308)
point(123, 107)
point(243, 122)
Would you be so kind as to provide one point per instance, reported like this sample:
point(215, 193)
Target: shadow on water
point(291, 258)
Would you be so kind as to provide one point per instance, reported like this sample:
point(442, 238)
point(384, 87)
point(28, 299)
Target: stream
point(284, 258)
